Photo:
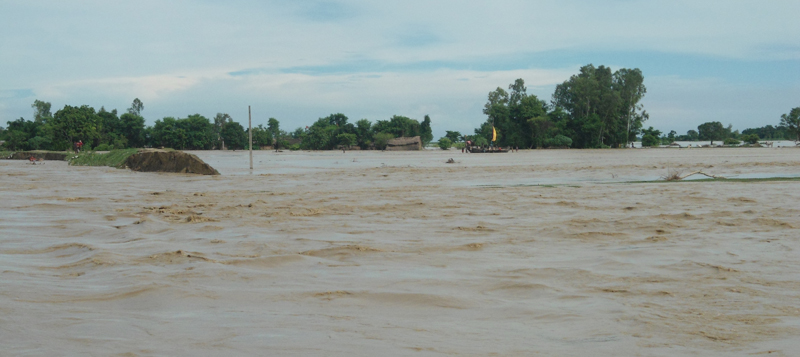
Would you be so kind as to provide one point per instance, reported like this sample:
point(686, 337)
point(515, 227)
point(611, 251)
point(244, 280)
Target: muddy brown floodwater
point(397, 253)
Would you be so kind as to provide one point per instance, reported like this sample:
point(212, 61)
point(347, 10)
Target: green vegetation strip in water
point(531, 185)
point(760, 179)
point(114, 158)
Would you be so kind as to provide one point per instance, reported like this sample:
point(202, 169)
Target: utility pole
point(250, 131)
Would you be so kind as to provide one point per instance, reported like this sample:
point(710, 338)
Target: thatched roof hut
point(404, 144)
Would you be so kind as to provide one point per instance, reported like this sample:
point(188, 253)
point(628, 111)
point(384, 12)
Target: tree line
point(595, 108)
point(107, 130)
point(787, 129)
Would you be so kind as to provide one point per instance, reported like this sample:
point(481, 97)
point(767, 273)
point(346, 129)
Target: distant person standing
point(79, 145)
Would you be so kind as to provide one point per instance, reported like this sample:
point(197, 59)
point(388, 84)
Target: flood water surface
point(549, 252)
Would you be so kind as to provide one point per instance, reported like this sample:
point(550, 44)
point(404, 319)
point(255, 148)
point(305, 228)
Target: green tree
point(497, 113)
point(234, 135)
point(533, 124)
point(19, 132)
point(398, 126)
point(480, 140)
point(41, 111)
point(72, 124)
point(16, 140)
point(521, 108)
point(321, 135)
point(110, 130)
point(381, 140)
point(559, 141)
point(649, 140)
point(425, 131)
point(630, 85)
point(166, 133)
point(261, 137)
point(671, 137)
point(132, 128)
point(364, 133)
point(136, 107)
point(220, 120)
point(338, 119)
point(541, 129)
point(770, 132)
point(445, 143)
point(711, 131)
point(732, 141)
point(485, 132)
point(346, 140)
point(454, 136)
point(750, 138)
point(199, 131)
point(193, 133)
point(274, 128)
point(791, 122)
point(603, 107)
point(298, 133)
point(650, 137)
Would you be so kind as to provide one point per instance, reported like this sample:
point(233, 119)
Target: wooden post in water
point(250, 131)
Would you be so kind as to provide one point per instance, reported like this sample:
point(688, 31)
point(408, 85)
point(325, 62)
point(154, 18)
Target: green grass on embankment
point(113, 158)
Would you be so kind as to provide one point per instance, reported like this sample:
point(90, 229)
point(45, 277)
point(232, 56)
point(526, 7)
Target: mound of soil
point(168, 161)
point(39, 155)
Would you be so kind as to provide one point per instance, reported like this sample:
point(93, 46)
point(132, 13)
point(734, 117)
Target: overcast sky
point(737, 62)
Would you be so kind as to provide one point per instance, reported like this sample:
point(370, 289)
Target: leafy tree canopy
point(791, 122)
point(234, 135)
point(136, 107)
point(454, 136)
point(711, 131)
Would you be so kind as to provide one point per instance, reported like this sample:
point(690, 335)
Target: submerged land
point(551, 252)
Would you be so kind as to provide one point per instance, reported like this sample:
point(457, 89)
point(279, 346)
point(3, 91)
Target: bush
point(381, 139)
point(559, 141)
point(346, 140)
point(104, 147)
point(732, 141)
point(281, 143)
point(445, 143)
point(294, 147)
point(650, 140)
point(750, 138)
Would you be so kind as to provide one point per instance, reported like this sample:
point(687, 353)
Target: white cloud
point(146, 87)
point(176, 55)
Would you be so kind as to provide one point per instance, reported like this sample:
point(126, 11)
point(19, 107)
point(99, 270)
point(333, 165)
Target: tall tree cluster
point(594, 108)
point(603, 107)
